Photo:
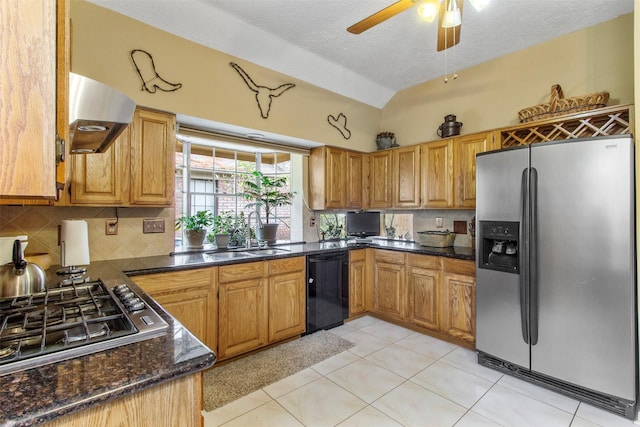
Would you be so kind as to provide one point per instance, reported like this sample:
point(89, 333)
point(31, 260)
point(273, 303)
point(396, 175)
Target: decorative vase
point(385, 140)
point(222, 240)
point(267, 232)
point(195, 238)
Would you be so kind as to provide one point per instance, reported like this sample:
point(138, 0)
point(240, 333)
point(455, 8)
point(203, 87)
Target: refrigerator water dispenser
point(499, 246)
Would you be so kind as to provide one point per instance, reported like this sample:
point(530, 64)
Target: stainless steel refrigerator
point(556, 287)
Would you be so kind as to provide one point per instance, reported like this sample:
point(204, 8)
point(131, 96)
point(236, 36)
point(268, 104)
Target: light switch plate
point(153, 225)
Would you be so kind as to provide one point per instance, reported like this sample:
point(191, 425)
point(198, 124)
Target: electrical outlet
point(312, 221)
point(439, 222)
point(111, 227)
point(153, 225)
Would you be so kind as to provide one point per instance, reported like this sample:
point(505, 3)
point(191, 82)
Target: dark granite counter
point(41, 394)
point(36, 395)
point(197, 259)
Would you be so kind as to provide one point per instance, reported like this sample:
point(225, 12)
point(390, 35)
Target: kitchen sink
point(221, 256)
point(269, 251)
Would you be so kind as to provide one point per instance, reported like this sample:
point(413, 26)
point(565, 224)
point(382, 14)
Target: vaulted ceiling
point(308, 40)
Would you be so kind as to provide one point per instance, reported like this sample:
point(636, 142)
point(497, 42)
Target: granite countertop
point(41, 394)
point(36, 395)
point(203, 258)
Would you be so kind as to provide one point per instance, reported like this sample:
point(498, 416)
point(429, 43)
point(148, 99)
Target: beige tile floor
point(397, 377)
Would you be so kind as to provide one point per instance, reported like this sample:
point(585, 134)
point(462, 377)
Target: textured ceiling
point(307, 39)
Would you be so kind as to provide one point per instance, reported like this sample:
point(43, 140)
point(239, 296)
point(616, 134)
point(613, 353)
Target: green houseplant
point(224, 224)
point(268, 193)
point(195, 227)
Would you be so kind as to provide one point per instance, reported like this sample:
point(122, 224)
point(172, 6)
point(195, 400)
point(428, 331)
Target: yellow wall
point(101, 44)
point(489, 95)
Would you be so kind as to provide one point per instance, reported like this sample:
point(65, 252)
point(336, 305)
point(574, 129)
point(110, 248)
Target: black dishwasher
point(327, 290)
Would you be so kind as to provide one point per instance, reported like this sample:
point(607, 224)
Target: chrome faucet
point(249, 227)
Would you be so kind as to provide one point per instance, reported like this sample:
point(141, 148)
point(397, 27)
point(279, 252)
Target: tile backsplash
point(40, 224)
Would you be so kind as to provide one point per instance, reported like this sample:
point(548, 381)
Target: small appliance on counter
point(6, 247)
point(19, 277)
point(363, 224)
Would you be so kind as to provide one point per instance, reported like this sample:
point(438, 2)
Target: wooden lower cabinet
point(260, 303)
point(242, 306)
point(424, 291)
point(287, 298)
point(434, 294)
point(389, 295)
point(190, 297)
point(357, 282)
point(459, 289)
point(174, 403)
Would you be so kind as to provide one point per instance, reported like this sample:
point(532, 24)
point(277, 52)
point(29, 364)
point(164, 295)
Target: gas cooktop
point(73, 318)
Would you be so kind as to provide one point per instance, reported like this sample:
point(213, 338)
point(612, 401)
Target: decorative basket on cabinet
point(558, 105)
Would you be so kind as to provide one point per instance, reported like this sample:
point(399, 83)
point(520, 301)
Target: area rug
point(231, 381)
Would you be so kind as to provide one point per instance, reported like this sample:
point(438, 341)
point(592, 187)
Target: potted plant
point(268, 193)
point(223, 226)
point(195, 227)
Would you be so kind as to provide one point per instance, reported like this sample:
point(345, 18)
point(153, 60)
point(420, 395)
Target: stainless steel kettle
point(20, 277)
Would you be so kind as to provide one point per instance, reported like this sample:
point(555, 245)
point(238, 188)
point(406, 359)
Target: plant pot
point(222, 240)
point(195, 238)
point(267, 232)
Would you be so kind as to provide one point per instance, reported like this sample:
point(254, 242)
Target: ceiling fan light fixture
point(452, 17)
point(428, 11)
point(479, 4)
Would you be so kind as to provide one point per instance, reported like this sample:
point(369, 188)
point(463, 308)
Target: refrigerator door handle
point(523, 265)
point(533, 258)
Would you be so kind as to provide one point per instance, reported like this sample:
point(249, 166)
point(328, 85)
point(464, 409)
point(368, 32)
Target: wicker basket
point(559, 105)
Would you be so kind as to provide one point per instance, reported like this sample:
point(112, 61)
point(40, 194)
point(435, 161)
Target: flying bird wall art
point(264, 94)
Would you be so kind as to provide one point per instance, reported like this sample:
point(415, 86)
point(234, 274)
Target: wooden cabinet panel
point(287, 302)
point(99, 178)
point(353, 184)
point(424, 288)
point(28, 97)
point(459, 306)
point(437, 174)
point(380, 179)
point(249, 270)
point(173, 403)
point(243, 317)
point(465, 167)
point(189, 296)
point(335, 178)
point(153, 149)
point(389, 294)
point(357, 281)
point(406, 175)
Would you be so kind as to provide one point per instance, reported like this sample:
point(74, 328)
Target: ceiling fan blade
point(381, 16)
point(448, 37)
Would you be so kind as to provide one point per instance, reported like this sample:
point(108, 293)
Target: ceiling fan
point(449, 18)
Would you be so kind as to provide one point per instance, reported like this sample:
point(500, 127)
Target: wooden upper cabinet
point(380, 179)
point(354, 180)
point(32, 107)
point(437, 174)
point(153, 147)
point(406, 174)
point(137, 169)
point(466, 148)
point(99, 178)
point(335, 178)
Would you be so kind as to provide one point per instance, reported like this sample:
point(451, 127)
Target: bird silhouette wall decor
point(264, 95)
point(340, 123)
point(146, 68)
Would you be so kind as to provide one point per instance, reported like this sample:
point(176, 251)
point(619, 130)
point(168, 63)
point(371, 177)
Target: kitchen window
point(211, 175)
